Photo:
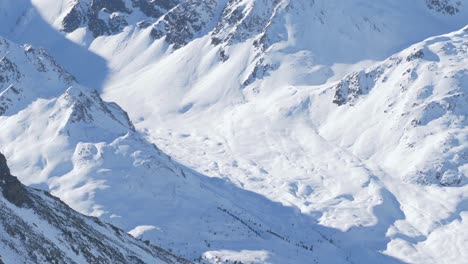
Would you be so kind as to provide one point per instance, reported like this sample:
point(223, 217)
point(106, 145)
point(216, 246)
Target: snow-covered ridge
point(27, 73)
point(424, 90)
point(131, 36)
point(186, 21)
point(39, 228)
point(229, 21)
point(104, 17)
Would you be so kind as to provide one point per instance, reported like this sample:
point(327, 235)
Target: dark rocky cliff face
point(106, 17)
point(54, 233)
point(449, 7)
point(11, 187)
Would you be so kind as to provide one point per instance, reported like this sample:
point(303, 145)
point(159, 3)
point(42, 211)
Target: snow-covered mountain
point(422, 92)
point(338, 127)
point(130, 34)
point(62, 137)
point(39, 228)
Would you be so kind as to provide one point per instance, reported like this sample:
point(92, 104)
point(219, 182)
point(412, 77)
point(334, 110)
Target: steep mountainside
point(27, 73)
point(229, 21)
point(423, 94)
point(39, 228)
point(330, 131)
point(87, 152)
point(110, 17)
point(131, 34)
point(400, 123)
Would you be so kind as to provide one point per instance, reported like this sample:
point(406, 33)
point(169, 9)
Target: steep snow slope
point(310, 43)
point(67, 140)
point(407, 120)
point(400, 124)
point(131, 34)
point(38, 228)
point(22, 23)
point(422, 94)
point(24, 71)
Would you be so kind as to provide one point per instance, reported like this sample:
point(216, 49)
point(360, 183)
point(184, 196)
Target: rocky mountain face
point(179, 22)
point(178, 28)
point(445, 6)
point(39, 228)
point(276, 28)
point(24, 71)
point(104, 17)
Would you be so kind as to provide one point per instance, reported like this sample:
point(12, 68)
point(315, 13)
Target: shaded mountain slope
point(39, 228)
